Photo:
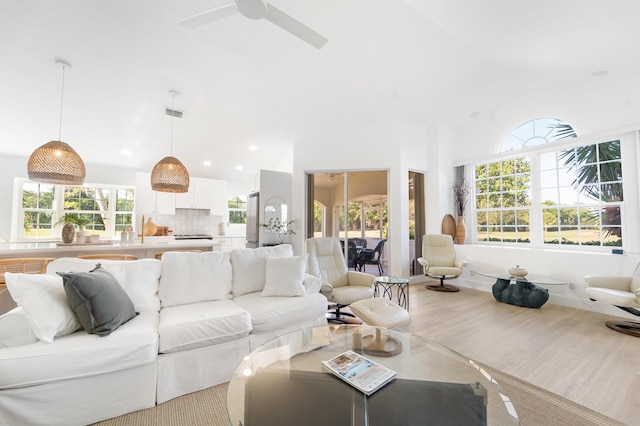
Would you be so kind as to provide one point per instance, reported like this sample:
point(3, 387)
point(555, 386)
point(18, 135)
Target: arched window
point(570, 196)
point(536, 132)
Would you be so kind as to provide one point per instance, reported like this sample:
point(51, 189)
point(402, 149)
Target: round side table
point(387, 284)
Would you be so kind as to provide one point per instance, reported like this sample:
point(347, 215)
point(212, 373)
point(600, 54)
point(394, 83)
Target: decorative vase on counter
point(461, 231)
point(68, 233)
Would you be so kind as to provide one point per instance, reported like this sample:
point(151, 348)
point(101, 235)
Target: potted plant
point(460, 195)
point(279, 227)
point(70, 221)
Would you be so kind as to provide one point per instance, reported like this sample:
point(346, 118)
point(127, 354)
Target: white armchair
point(439, 261)
point(620, 291)
point(340, 285)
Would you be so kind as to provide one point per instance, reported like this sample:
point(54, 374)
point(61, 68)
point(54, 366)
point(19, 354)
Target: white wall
point(439, 181)
point(596, 105)
point(10, 167)
point(393, 146)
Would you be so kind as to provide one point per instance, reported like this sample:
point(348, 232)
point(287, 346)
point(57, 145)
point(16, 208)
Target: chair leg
point(442, 287)
point(342, 317)
point(627, 327)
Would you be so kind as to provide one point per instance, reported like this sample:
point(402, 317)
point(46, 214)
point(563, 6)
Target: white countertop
point(55, 249)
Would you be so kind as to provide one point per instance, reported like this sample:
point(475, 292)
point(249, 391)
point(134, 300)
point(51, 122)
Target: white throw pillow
point(15, 329)
point(44, 303)
point(285, 276)
point(139, 278)
point(249, 267)
point(194, 277)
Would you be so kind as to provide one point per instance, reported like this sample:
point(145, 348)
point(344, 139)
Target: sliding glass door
point(365, 195)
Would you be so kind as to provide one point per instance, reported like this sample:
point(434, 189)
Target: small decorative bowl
point(517, 271)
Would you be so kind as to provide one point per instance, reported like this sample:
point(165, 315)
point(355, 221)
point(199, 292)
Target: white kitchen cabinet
point(150, 201)
point(198, 196)
point(219, 202)
point(165, 202)
point(230, 243)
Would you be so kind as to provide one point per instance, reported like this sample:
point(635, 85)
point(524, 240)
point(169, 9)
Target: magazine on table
point(360, 372)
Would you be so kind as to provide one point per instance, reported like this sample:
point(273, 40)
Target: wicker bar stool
point(25, 265)
point(108, 256)
point(159, 255)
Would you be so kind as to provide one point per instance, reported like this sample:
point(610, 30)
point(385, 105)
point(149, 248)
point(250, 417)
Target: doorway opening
point(350, 205)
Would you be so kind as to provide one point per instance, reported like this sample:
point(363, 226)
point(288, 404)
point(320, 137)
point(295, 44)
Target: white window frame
point(17, 220)
point(629, 208)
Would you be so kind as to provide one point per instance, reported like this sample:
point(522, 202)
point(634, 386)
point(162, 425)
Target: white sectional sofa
point(197, 316)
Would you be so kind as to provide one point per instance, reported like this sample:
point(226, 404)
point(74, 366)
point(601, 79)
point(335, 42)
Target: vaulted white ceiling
point(246, 82)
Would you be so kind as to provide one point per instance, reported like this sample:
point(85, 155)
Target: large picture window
point(105, 209)
point(571, 196)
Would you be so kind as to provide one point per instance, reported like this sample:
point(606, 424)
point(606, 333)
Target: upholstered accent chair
point(620, 291)
point(340, 285)
point(439, 261)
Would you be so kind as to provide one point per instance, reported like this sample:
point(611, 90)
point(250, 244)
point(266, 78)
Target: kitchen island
point(146, 249)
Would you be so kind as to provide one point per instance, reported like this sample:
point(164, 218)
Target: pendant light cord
point(173, 101)
point(61, 103)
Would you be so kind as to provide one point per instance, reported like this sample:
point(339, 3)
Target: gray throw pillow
point(98, 300)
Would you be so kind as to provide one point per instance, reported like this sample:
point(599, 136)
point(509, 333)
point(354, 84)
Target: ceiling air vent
point(173, 112)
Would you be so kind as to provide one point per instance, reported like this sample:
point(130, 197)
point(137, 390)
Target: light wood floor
point(567, 351)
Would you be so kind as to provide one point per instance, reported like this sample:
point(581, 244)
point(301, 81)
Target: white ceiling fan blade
point(294, 27)
point(209, 15)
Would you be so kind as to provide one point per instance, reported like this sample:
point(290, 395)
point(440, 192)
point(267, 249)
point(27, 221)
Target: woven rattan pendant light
point(170, 175)
point(55, 161)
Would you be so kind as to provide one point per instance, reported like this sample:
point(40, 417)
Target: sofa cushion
point(277, 313)
point(98, 300)
point(81, 355)
point(15, 329)
point(201, 324)
point(249, 267)
point(194, 277)
point(44, 303)
point(139, 278)
point(285, 276)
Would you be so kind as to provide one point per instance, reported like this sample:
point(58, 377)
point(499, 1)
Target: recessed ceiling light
point(253, 148)
point(239, 167)
point(600, 73)
point(207, 163)
point(126, 153)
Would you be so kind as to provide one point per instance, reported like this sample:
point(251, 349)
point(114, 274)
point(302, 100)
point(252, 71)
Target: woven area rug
point(534, 405)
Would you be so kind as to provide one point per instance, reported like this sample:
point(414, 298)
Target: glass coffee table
point(524, 291)
point(283, 382)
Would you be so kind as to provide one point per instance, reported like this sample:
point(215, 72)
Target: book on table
point(360, 372)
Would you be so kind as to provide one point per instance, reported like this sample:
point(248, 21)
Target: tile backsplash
point(195, 221)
